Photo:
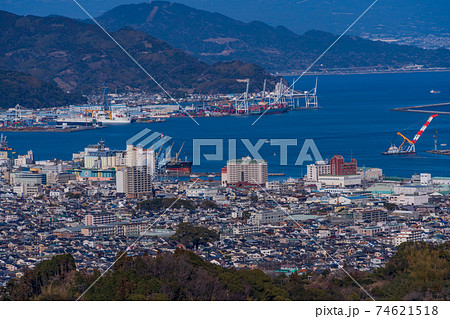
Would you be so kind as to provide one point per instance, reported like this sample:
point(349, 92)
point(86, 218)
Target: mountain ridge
point(81, 57)
point(214, 37)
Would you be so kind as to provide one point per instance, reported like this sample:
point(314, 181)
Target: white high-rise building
point(140, 157)
point(320, 168)
point(245, 170)
point(135, 180)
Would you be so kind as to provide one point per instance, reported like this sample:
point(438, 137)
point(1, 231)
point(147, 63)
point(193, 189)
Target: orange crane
point(230, 107)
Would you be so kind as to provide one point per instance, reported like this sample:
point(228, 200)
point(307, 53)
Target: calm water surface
point(355, 120)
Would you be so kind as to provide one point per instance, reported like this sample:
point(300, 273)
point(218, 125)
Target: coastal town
point(103, 202)
point(242, 151)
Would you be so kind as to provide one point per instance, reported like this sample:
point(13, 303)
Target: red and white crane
point(424, 127)
point(411, 149)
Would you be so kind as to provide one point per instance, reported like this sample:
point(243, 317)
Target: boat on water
point(435, 92)
point(267, 109)
point(112, 117)
point(4, 144)
point(149, 120)
point(178, 166)
point(394, 150)
point(76, 119)
point(97, 118)
point(175, 165)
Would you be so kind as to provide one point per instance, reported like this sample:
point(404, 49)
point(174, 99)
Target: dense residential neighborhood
point(296, 225)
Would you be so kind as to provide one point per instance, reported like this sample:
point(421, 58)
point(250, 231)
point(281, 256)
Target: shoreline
point(49, 129)
point(349, 72)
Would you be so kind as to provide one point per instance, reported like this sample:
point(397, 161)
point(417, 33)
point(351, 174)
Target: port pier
point(424, 109)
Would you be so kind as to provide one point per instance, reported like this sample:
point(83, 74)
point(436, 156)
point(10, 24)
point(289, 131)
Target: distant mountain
point(214, 37)
point(31, 92)
point(81, 57)
point(409, 21)
point(399, 19)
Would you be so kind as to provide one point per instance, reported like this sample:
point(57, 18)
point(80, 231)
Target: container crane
point(179, 152)
point(229, 108)
point(410, 148)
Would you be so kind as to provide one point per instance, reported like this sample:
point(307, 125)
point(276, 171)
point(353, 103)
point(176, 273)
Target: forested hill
point(418, 271)
point(31, 92)
point(80, 57)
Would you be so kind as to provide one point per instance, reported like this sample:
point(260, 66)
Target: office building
point(314, 171)
point(339, 167)
point(30, 178)
point(340, 180)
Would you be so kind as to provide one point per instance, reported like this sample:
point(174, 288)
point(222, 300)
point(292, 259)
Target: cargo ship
point(268, 109)
point(178, 166)
point(97, 118)
point(78, 119)
point(111, 118)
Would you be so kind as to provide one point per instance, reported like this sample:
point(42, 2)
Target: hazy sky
point(61, 7)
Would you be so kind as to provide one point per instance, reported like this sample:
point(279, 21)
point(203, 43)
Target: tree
point(207, 204)
point(194, 236)
point(390, 206)
point(157, 204)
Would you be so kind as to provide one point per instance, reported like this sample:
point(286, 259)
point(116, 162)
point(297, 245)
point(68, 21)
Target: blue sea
point(355, 120)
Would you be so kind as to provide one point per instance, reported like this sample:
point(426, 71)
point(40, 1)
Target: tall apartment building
point(134, 182)
point(135, 179)
point(137, 157)
point(245, 170)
